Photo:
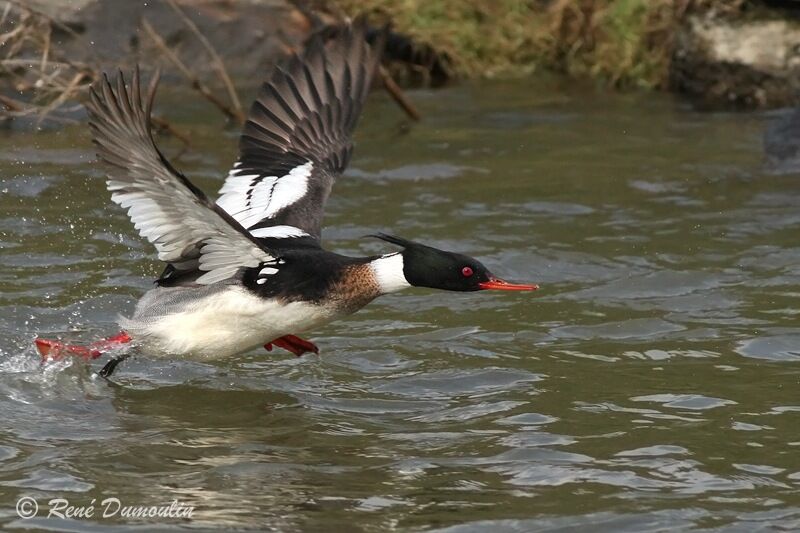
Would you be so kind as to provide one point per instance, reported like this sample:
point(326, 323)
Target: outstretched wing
point(296, 140)
point(187, 229)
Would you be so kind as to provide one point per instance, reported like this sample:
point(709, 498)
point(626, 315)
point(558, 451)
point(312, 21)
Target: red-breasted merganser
point(248, 270)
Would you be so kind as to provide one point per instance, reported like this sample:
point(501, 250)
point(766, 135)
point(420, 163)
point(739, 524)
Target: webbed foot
point(52, 350)
point(294, 344)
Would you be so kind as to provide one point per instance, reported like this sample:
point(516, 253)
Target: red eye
point(467, 271)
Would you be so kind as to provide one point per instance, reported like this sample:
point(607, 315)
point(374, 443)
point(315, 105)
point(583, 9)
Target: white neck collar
point(388, 270)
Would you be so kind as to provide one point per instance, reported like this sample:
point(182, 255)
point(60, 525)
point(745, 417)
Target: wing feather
point(297, 137)
point(188, 231)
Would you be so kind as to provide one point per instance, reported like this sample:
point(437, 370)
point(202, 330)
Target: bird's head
point(425, 266)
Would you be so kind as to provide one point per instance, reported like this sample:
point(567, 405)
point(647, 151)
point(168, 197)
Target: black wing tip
point(320, 90)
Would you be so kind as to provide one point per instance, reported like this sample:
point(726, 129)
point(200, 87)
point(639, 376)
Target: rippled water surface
point(653, 383)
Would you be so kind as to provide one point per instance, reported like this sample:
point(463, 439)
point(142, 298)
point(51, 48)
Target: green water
point(653, 383)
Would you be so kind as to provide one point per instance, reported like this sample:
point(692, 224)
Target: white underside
point(222, 324)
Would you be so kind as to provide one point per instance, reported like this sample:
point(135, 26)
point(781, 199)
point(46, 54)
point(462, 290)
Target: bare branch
point(69, 92)
point(198, 85)
point(397, 94)
point(162, 124)
point(11, 104)
point(216, 60)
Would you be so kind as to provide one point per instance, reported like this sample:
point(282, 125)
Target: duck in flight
point(249, 270)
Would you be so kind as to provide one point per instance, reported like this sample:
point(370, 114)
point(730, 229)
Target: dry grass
point(37, 81)
point(621, 42)
point(44, 83)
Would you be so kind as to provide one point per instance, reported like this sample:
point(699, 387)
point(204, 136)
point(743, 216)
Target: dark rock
point(782, 143)
point(751, 63)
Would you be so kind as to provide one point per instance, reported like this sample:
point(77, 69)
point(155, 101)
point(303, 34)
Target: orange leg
point(294, 344)
point(51, 350)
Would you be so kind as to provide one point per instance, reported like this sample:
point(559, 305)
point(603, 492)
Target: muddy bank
point(737, 54)
point(740, 54)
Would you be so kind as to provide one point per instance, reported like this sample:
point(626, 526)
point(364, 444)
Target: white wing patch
point(153, 222)
point(289, 188)
point(251, 198)
point(268, 270)
point(278, 232)
point(222, 258)
point(154, 210)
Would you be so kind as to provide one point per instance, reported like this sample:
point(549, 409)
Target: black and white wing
point(187, 229)
point(297, 138)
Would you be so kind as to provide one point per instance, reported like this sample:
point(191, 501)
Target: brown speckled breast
point(356, 288)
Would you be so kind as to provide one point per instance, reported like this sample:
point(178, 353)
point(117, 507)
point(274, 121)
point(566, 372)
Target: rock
point(782, 143)
point(751, 63)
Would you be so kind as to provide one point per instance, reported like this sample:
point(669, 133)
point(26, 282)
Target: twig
point(397, 94)
point(216, 60)
point(50, 82)
point(162, 124)
point(15, 108)
point(25, 7)
point(46, 48)
point(196, 83)
point(16, 37)
point(6, 11)
point(11, 104)
point(68, 92)
point(53, 64)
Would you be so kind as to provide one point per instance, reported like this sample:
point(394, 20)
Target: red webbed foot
point(51, 350)
point(294, 344)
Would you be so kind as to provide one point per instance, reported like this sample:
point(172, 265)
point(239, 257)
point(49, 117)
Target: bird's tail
point(52, 350)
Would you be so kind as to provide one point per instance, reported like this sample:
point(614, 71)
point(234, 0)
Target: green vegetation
point(620, 42)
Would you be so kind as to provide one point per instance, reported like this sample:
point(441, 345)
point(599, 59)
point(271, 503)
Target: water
point(651, 384)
